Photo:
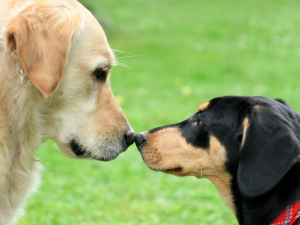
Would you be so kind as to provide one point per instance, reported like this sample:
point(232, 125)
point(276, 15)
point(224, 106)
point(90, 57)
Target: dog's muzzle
point(108, 154)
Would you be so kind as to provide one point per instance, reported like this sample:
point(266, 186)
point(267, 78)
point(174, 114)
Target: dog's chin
point(177, 171)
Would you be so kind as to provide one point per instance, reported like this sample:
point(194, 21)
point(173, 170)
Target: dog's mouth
point(77, 149)
point(175, 170)
point(80, 152)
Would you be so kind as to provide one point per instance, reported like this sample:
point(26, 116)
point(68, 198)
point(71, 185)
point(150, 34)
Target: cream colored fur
point(48, 52)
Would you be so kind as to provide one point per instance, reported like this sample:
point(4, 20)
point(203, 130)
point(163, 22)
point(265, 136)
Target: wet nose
point(140, 140)
point(129, 137)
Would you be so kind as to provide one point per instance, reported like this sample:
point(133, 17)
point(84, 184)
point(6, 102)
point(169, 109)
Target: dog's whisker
point(122, 64)
point(123, 52)
point(130, 56)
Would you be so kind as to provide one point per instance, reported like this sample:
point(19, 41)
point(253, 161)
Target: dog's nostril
point(139, 140)
point(130, 138)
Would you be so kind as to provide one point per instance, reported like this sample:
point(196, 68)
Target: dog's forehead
point(93, 35)
point(233, 103)
point(225, 110)
point(220, 107)
point(231, 109)
point(90, 45)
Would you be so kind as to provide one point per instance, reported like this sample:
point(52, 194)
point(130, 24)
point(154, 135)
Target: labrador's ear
point(41, 35)
point(268, 150)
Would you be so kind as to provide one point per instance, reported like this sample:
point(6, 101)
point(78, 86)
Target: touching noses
point(140, 140)
point(129, 138)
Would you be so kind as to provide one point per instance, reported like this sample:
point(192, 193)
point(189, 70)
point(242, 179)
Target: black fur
point(281, 101)
point(264, 170)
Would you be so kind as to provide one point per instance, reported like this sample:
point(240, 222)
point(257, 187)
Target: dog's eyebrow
point(203, 107)
point(104, 63)
point(111, 63)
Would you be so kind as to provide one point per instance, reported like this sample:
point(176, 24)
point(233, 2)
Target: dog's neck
point(222, 183)
point(19, 114)
point(265, 208)
point(21, 105)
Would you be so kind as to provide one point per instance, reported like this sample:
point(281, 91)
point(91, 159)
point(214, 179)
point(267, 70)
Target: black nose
point(140, 140)
point(129, 137)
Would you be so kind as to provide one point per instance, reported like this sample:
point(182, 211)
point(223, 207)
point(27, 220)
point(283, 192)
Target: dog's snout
point(140, 140)
point(130, 138)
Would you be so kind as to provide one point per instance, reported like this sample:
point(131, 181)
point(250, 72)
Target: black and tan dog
point(248, 147)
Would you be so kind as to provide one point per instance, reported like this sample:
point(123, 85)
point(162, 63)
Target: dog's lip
point(176, 169)
point(77, 149)
point(103, 159)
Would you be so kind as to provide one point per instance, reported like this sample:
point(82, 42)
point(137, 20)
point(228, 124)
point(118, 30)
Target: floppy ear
point(269, 148)
point(41, 36)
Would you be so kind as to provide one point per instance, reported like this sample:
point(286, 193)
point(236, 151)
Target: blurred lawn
point(186, 53)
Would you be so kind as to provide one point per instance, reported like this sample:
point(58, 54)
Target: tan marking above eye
point(203, 107)
point(245, 128)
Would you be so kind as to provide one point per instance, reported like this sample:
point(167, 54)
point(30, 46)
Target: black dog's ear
point(269, 147)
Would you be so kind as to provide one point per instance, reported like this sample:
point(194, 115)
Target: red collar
point(289, 215)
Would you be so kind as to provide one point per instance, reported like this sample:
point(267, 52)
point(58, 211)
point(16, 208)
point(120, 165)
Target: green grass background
point(186, 53)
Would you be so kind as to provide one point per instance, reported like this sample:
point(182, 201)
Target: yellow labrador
point(55, 64)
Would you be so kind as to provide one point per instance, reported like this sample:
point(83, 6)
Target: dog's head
point(64, 54)
point(250, 141)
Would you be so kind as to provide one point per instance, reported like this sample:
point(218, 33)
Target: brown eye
point(100, 74)
point(196, 123)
